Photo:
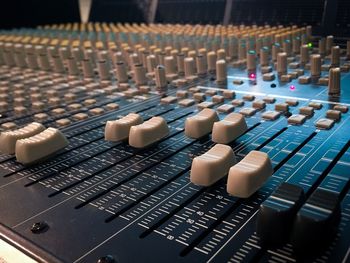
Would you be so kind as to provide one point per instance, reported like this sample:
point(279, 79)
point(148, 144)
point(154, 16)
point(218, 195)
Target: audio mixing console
point(174, 143)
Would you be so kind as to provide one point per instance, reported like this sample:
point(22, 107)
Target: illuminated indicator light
point(292, 87)
point(252, 75)
point(309, 45)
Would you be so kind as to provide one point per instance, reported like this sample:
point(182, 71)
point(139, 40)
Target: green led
point(309, 45)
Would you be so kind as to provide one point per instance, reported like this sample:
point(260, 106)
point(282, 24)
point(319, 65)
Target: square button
point(292, 102)
point(341, 108)
point(296, 119)
point(271, 115)
point(304, 79)
point(282, 107)
point(112, 106)
point(249, 97)
point(168, 100)
point(226, 108)
point(182, 94)
point(96, 111)
point(63, 122)
point(315, 105)
point(268, 76)
point(333, 114)
point(325, 124)
point(308, 111)
point(199, 96)
point(186, 102)
point(80, 116)
point(269, 99)
point(205, 104)
point(217, 99)
point(258, 104)
point(210, 92)
point(248, 111)
point(228, 94)
point(237, 102)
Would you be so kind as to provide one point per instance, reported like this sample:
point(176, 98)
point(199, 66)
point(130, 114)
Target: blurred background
point(327, 16)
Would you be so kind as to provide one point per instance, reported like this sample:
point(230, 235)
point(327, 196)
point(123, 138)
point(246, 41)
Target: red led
point(292, 87)
point(252, 76)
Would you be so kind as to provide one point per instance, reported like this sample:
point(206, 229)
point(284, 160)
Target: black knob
point(277, 213)
point(316, 222)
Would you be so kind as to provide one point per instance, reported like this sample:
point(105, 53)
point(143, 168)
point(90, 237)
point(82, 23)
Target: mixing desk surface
point(174, 143)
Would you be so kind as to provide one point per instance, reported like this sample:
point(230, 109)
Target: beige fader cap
point(247, 176)
point(149, 132)
point(8, 139)
point(228, 129)
point(119, 129)
point(213, 165)
point(200, 124)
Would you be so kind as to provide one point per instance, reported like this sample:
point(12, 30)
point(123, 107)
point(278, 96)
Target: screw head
point(39, 227)
point(106, 259)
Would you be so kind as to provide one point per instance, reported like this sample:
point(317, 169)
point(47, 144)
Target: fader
point(174, 143)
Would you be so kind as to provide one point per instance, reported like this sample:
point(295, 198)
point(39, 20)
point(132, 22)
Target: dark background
point(327, 16)
point(30, 13)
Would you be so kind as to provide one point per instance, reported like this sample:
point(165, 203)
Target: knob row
point(286, 216)
point(244, 177)
point(207, 121)
point(140, 134)
point(32, 143)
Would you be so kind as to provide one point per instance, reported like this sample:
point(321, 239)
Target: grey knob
point(78, 54)
point(282, 63)
point(276, 48)
point(329, 44)
point(189, 67)
point(88, 70)
point(264, 56)
point(201, 64)
point(335, 56)
point(296, 45)
point(304, 54)
point(161, 81)
point(334, 81)
point(309, 33)
point(103, 70)
point(242, 52)
point(122, 75)
point(221, 72)
point(140, 75)
point(180, 61)
point(251, 60)
point(170, 66)
point(287, 47)
point(44, 62)
point(322, 47)
point(315, 65)
point(57, 64)
point(211, 61)
point(151, 63)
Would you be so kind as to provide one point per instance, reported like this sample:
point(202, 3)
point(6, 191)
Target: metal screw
point(39, 227)
point(106, 259)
